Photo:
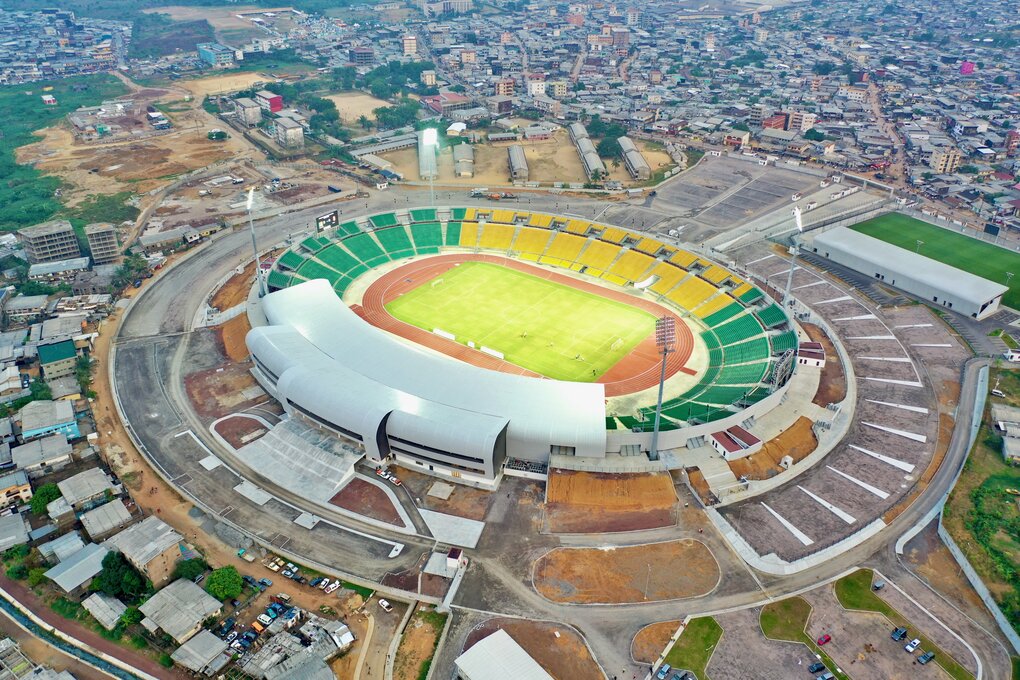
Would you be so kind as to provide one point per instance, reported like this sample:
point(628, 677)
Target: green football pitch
point(955, 249)
point(555, 330)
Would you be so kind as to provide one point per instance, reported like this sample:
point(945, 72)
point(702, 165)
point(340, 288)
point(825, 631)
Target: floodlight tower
point(254, 247)
point(788, 297)
point(665, 341)
point(430, 142)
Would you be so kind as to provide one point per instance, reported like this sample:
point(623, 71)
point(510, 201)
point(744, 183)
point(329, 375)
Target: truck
point(280, 598)
point(245, 555)
point(479, 192)
point(494, 197)
point(334, 189)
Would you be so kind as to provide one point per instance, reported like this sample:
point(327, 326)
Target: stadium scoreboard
point(328, 221)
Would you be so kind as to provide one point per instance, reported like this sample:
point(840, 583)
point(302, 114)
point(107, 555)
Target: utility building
point(518, 162)
point(928, 279)
point(636, 164)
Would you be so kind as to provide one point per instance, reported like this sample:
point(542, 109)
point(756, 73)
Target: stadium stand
point(750, 296)
point(458, 213)
point(313, 269)
point(338, 258)
point(578, 227)
point(682, 258)
point(384, 220)
point(469, 234)
point(348, 228)
point(649, 245)
point(277, 280)
point(631, 265)
point(313, 245)
point(365, 249)
point(453, 233)
point(503, 216)
point(783, 342)
point(565, 247)
point(691, 293)
point(742, 375)
point(540, 220)
point(599, 255)
point(496, 236)
point(668, 275)
point(290, 260)
point(613, 235)
point(713, 305)
point(531, 241)
point(727, 312)
point(737, 330)
point(715, 275)
point(755, 349)
point(428, 237)
point(396, 242)
point(423, 215)
point(772, 316)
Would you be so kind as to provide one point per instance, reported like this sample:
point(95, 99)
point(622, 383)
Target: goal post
point(436, 282)
point(617, 344)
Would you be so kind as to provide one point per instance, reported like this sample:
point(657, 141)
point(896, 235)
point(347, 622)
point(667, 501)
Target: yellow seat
point(632, 265)
point(715, 275)
point(469, 234)
point(470, 214)
point(540, 220)
point(613, 235)
point(683, 258)
point(578, 227)
point(649, 245)
point(496, 236)
point(669, 276)
point(503, 216)
point(599, 254)
point(741, 289)
point(712, 306)
point(691, 293)
point(531, 241)
point(566, 246)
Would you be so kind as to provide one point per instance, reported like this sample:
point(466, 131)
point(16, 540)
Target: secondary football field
point(963, 252)
point(549, 328)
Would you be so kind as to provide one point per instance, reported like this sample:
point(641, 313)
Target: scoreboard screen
point(328, 221)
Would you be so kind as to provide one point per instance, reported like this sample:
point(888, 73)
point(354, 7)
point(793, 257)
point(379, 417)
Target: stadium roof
point(923, 269)
point(326, 344)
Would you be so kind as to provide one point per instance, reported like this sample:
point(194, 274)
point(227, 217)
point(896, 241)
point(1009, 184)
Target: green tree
point(364, 122)
point(119, 579)
point(19, 572)
point(190, 569)
point(741, 126)
point(131, 616)
point(823, 68)
point(814, 135)
point(36, 576)
point(224, 583)
point(609, 148)
point(44, 495)
point(967, 170)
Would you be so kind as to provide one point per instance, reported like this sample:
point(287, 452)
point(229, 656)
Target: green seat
point(772, 316)
point(752, 295)
point(338, 258)
point(277, 280)
point(755, 349)
point(384, 220)
point(365, 249)
point(313, 269)
point(312, 244)
point(290, 260)
point(427, 235)
point(742, 374)
point(459, 213)
point(741, 328)
point(349, 228)
point(423, 215)
point(783, 342)
point(396, 242)
point(453, 233)
point(727, 312)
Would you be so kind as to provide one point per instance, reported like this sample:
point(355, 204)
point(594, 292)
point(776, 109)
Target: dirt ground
point(353, 105)
point(417, 645)
point(235, 290)
point(367, 499)
point(232, 335)
point(216, 392)
point(232, 82)
point(651, 640)
point(565, 657)
point(797, 441)
point(240, 431)
point(832, 387)
point(592, 502)
point(465, 501)
point(224, 20)
point(701, 486)
point(625, 575)
point(552, 160)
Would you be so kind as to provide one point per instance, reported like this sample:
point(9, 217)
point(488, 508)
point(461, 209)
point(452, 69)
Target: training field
point(546, 327)
point(955, 249)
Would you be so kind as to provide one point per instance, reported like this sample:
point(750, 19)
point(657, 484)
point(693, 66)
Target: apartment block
point(102, 238)
point(944, 160)
point(50, 241)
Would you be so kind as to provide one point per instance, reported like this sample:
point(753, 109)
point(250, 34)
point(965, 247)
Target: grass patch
point(25, 193)
point(67, 608)
point(157, 35)
point(1009, 340)
point(952, 248)
point(787, 620)
point(555, 330)
point(694, 647)
point(364, 591)
point(854, 592)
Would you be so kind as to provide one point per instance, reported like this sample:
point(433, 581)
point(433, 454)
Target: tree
point(364, 122)
point(131, 616)
point(823, 68)
point(190, 569)
point(119, 579)
point(44, 495)
point(224, 583)
point(967, 170)
point(609, 148)
point(741, 126)
point(19, 572)
point(814, 135)
point(36, 576)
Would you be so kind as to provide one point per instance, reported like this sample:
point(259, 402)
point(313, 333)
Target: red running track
point(637, 371)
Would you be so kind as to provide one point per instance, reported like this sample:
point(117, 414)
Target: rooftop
point(59, 266)
point(179, 608)
point(85, 485)
point(13, 531)
point(47, 228)
point(104, 609)
point(61, 548)
point(78, 568)
point(199, 651)
point(105, 518)
point(41, 414)
point(144, 541)
point(41, 450)
point(499, 657)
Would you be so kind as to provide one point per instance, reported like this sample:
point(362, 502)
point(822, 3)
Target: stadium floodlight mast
point(795, 251)
point(430, 140)
point(254, 247)
point(665, 341)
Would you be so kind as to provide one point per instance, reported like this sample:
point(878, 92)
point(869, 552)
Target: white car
point(912, 645)
point(264, 620)
point(332, 587)
point(385, 606)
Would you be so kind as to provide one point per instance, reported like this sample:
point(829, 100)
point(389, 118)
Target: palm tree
point(364, 122)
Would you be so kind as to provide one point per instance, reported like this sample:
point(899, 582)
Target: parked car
point(227, 626)
point(232, 636)
point(266, 582)
point(237, 644)
point(926, 657)
point(287, 573)
point(250, 636)
point(332, 587)
point(663, 670)
point(316, 581)
point(826, 676)
point(323, 584)
point(899, 634)
point(825, 639)
point(235, 603)
point(272, 613)
point(276, 607)
point(912, 645)
point(816, 667)
point(249, 580)
point(396, 482)
point(264, 619)
point(385, 606)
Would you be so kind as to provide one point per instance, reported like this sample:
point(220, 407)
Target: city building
point(361, 56)
point(289, 133)
point(505, 87)
point(49, 242)
point(269, 101)
point(26, 307)
point(58, 359)
point(248, 111)
point(83, 489)
point(801, 121)
point(216, 55)
point(45, 417)
point(104, 609)
point(635, 162)
point(428, 78)
point(58, 270)
point(517, 162)
point(13, 530)
point(410, 45)
point(152, 546)
point(945, 160)
point(428, 166)
point(593, 165)
point(100, 523)
point(62, 547)
point(75, 573)
point(42, 456)
point(15, 489)
point(204, 653)
point(179, 610)
point(102, 238)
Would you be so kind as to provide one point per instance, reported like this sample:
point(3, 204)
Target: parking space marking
point(797, 533)
point(905, 383)
point(871, 337)
point(843, 515)
point(864, 485)
point(932, 344)
point(859, 317)
point(808, 285)
point(896, 463)
point(760, 259)
point(900, 433)
point(839, 299)
point(914, 325)
point(898, 360)
point(915, 409)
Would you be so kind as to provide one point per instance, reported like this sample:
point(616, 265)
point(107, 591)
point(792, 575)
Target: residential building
point(179, 610)
point(58, 270)
point(289, 133)
point(428, 78)
point(945, 160)
point(537, 87)
point(204, 653)
point(82, 490)
point(58, 359)
point(75, 573)
point(801, 121)
point(446, 102)
point(59, 549)
point(13, 531)
point(45, 417)
point(152, 546)
point(517, 162)
point(505, 87)
point(10, 381)
point(102, 238)
point(774, 122)
point(216, 55)
point(633, 159)
point(99, 523)
point(105, 609)
point(361, 56)
point(269, 101)
point(247, 111)
point(410, 45)
point(557, 89)
point(50, 241)
point(15, 489)
point(25, 307)
point(43, 455)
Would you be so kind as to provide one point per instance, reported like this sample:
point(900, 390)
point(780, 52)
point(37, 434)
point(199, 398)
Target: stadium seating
point(648, 245)
point(384, 220)
point(613, 235)
point(453, 233)
point(503, 216)
point(428, 237)
point(290, 260)
point(691, 293)
point(532, 241)
point(783, 342)
point(740, 328)
point(348, 228)
point(540, 220)
point(599, 255)
point(727, 312)
point(277, 280)
point(772, 316)
point(365, 249)
point(631, 266)
point(423, 215)
point(338, 258)
point(565, 247)
point(668, 275)
point(755, 349)
point(715, 275)
point(313, 269)
point(578, 227)
point(395, 241)
point(496, 236)
point(469, 234)
point(458, 213)
point(313, 245)
point(682, 258)
point(713, 305)
point(751, 295)
point(744, 374)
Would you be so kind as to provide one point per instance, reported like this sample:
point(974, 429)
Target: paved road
point(156, 341)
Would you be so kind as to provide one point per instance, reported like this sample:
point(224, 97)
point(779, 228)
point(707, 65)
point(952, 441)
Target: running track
point(637, 371)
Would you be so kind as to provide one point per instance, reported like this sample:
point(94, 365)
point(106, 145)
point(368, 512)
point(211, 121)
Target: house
point(10, 381)
point(104, 609)
point(151, 546)
point(1007, 421)
point(15, 489)
point(59, 549)
point(811, 354)
point(734, 442)
point(179, 610)
point(289, 133)
point(13, 531)
point(304, 655)
point(204, 653)
point(43, 455)
point(44, 417)
point(101, 522)
point(82, 490)
point(58, 269)
point(75, 573)
point(25, 307)
point(58, 359)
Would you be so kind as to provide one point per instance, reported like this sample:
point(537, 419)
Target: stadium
point(463, 340)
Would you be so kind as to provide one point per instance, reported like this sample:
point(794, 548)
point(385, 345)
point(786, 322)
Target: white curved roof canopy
point(328, 360)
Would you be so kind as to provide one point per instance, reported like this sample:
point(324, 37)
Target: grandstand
point(742, 330)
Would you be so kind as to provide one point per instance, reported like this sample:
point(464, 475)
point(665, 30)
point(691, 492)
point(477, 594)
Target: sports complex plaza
point(463, 341)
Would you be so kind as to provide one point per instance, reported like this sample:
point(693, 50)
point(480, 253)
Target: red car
point(824, 639)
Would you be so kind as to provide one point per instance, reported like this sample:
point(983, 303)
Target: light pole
point(254, 247)
point(788, 297)
point(665, 341)
point(1009, 275)
point(429, 142)
point(919, 244)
